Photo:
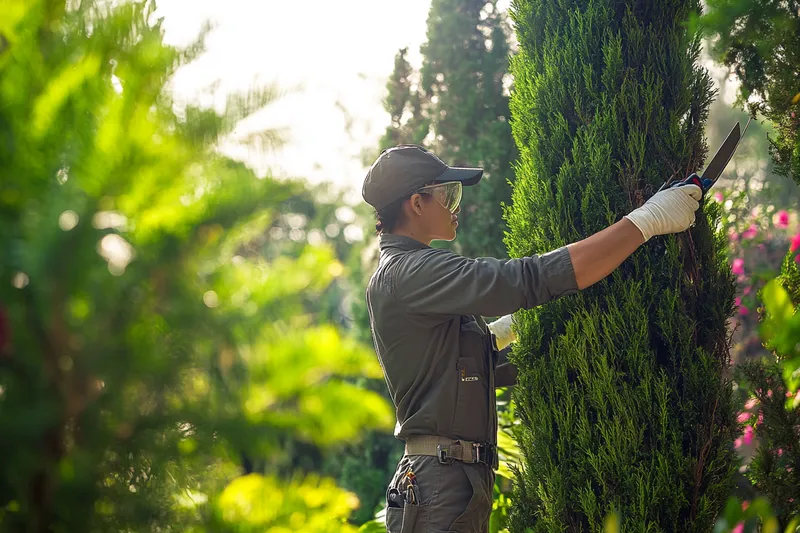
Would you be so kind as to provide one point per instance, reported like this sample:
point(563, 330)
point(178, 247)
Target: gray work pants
point(454, 498)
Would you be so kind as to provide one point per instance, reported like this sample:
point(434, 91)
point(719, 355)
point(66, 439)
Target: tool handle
point(692, 179)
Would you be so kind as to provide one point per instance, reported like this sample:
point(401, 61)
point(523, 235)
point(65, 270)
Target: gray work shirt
point(438, 357)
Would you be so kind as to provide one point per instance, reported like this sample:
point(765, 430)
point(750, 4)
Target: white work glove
point(503, 333)
point(669, 211)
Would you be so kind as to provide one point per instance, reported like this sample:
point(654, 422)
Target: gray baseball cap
point(401, 170)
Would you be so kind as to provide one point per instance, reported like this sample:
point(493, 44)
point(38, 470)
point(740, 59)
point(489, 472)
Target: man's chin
point(448, 238)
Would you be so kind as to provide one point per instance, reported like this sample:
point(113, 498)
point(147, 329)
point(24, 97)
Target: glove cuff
point(639, 219)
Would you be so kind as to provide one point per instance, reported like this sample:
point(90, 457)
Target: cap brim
point(467, 176)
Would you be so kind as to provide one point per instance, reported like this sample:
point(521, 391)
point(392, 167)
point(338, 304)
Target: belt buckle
point(442, 454)
point(476, 451)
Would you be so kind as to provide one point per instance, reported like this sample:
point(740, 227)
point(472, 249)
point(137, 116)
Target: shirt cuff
point(561, 274)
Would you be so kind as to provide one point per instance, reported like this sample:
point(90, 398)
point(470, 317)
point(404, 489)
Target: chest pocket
point(471, 417)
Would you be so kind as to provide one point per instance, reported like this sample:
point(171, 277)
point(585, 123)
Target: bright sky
point(333, 57)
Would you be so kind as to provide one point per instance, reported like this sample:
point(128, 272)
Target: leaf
point(613, 523)
point(59, 89)
point(778, 303)
point(254, 502)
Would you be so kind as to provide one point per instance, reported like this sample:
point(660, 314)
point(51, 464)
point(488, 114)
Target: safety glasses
point(447, 194)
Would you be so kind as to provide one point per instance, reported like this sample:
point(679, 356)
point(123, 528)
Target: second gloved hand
point(669, 211)
point(503, 333)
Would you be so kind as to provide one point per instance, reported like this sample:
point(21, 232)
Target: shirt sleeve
point(440, 282)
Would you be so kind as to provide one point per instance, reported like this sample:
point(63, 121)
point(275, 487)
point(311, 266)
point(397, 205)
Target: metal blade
point(720, 160)
point(723, 155)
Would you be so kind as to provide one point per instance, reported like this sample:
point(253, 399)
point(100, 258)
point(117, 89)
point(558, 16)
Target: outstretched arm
point(595, 257)
point(669, 211)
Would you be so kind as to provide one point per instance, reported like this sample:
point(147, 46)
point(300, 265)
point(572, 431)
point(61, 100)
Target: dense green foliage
point(622, 398)
point(457, 106)
point(149, 356)
point(759, 40)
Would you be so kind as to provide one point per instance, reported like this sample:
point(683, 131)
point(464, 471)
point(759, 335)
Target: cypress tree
point(624, 399)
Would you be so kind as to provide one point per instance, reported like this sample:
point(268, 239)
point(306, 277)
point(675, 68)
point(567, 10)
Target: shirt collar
point(401, 242)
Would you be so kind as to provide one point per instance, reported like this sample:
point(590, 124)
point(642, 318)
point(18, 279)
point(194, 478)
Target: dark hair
point(392, 214)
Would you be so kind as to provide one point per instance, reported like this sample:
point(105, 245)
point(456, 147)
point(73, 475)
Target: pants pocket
point(476, 515)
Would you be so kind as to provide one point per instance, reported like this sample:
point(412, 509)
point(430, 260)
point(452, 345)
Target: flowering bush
point(764, 241)
point(759, 237)
point(772, 415)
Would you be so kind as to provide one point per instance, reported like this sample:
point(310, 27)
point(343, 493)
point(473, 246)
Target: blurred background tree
point(758, 41)
point(149, 356)
point(457, 106)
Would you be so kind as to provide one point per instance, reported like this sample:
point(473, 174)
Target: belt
point(449, 450)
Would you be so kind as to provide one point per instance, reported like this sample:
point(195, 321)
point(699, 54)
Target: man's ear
point(415, 203)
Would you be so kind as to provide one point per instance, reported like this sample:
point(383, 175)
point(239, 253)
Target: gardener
point(439, 357)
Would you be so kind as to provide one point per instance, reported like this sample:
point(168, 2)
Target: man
point(439, 357)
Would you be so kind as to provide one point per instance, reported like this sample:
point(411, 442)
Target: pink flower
point(738, 528)
point(750, 232)
point(782, 219)
point(733, 236)
point(789, 394)
point(780, 452)
point(797, 259)
point(752, 402)
point(718, 196)
point(738, 266)
point(737, 301)
point(769, 393)
point(737, 443)
point(747, 438)
point(744, 311)
point(745, 505)
point(760, 418)
point(747, 290)
point(795, 243)
point(743, 417)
